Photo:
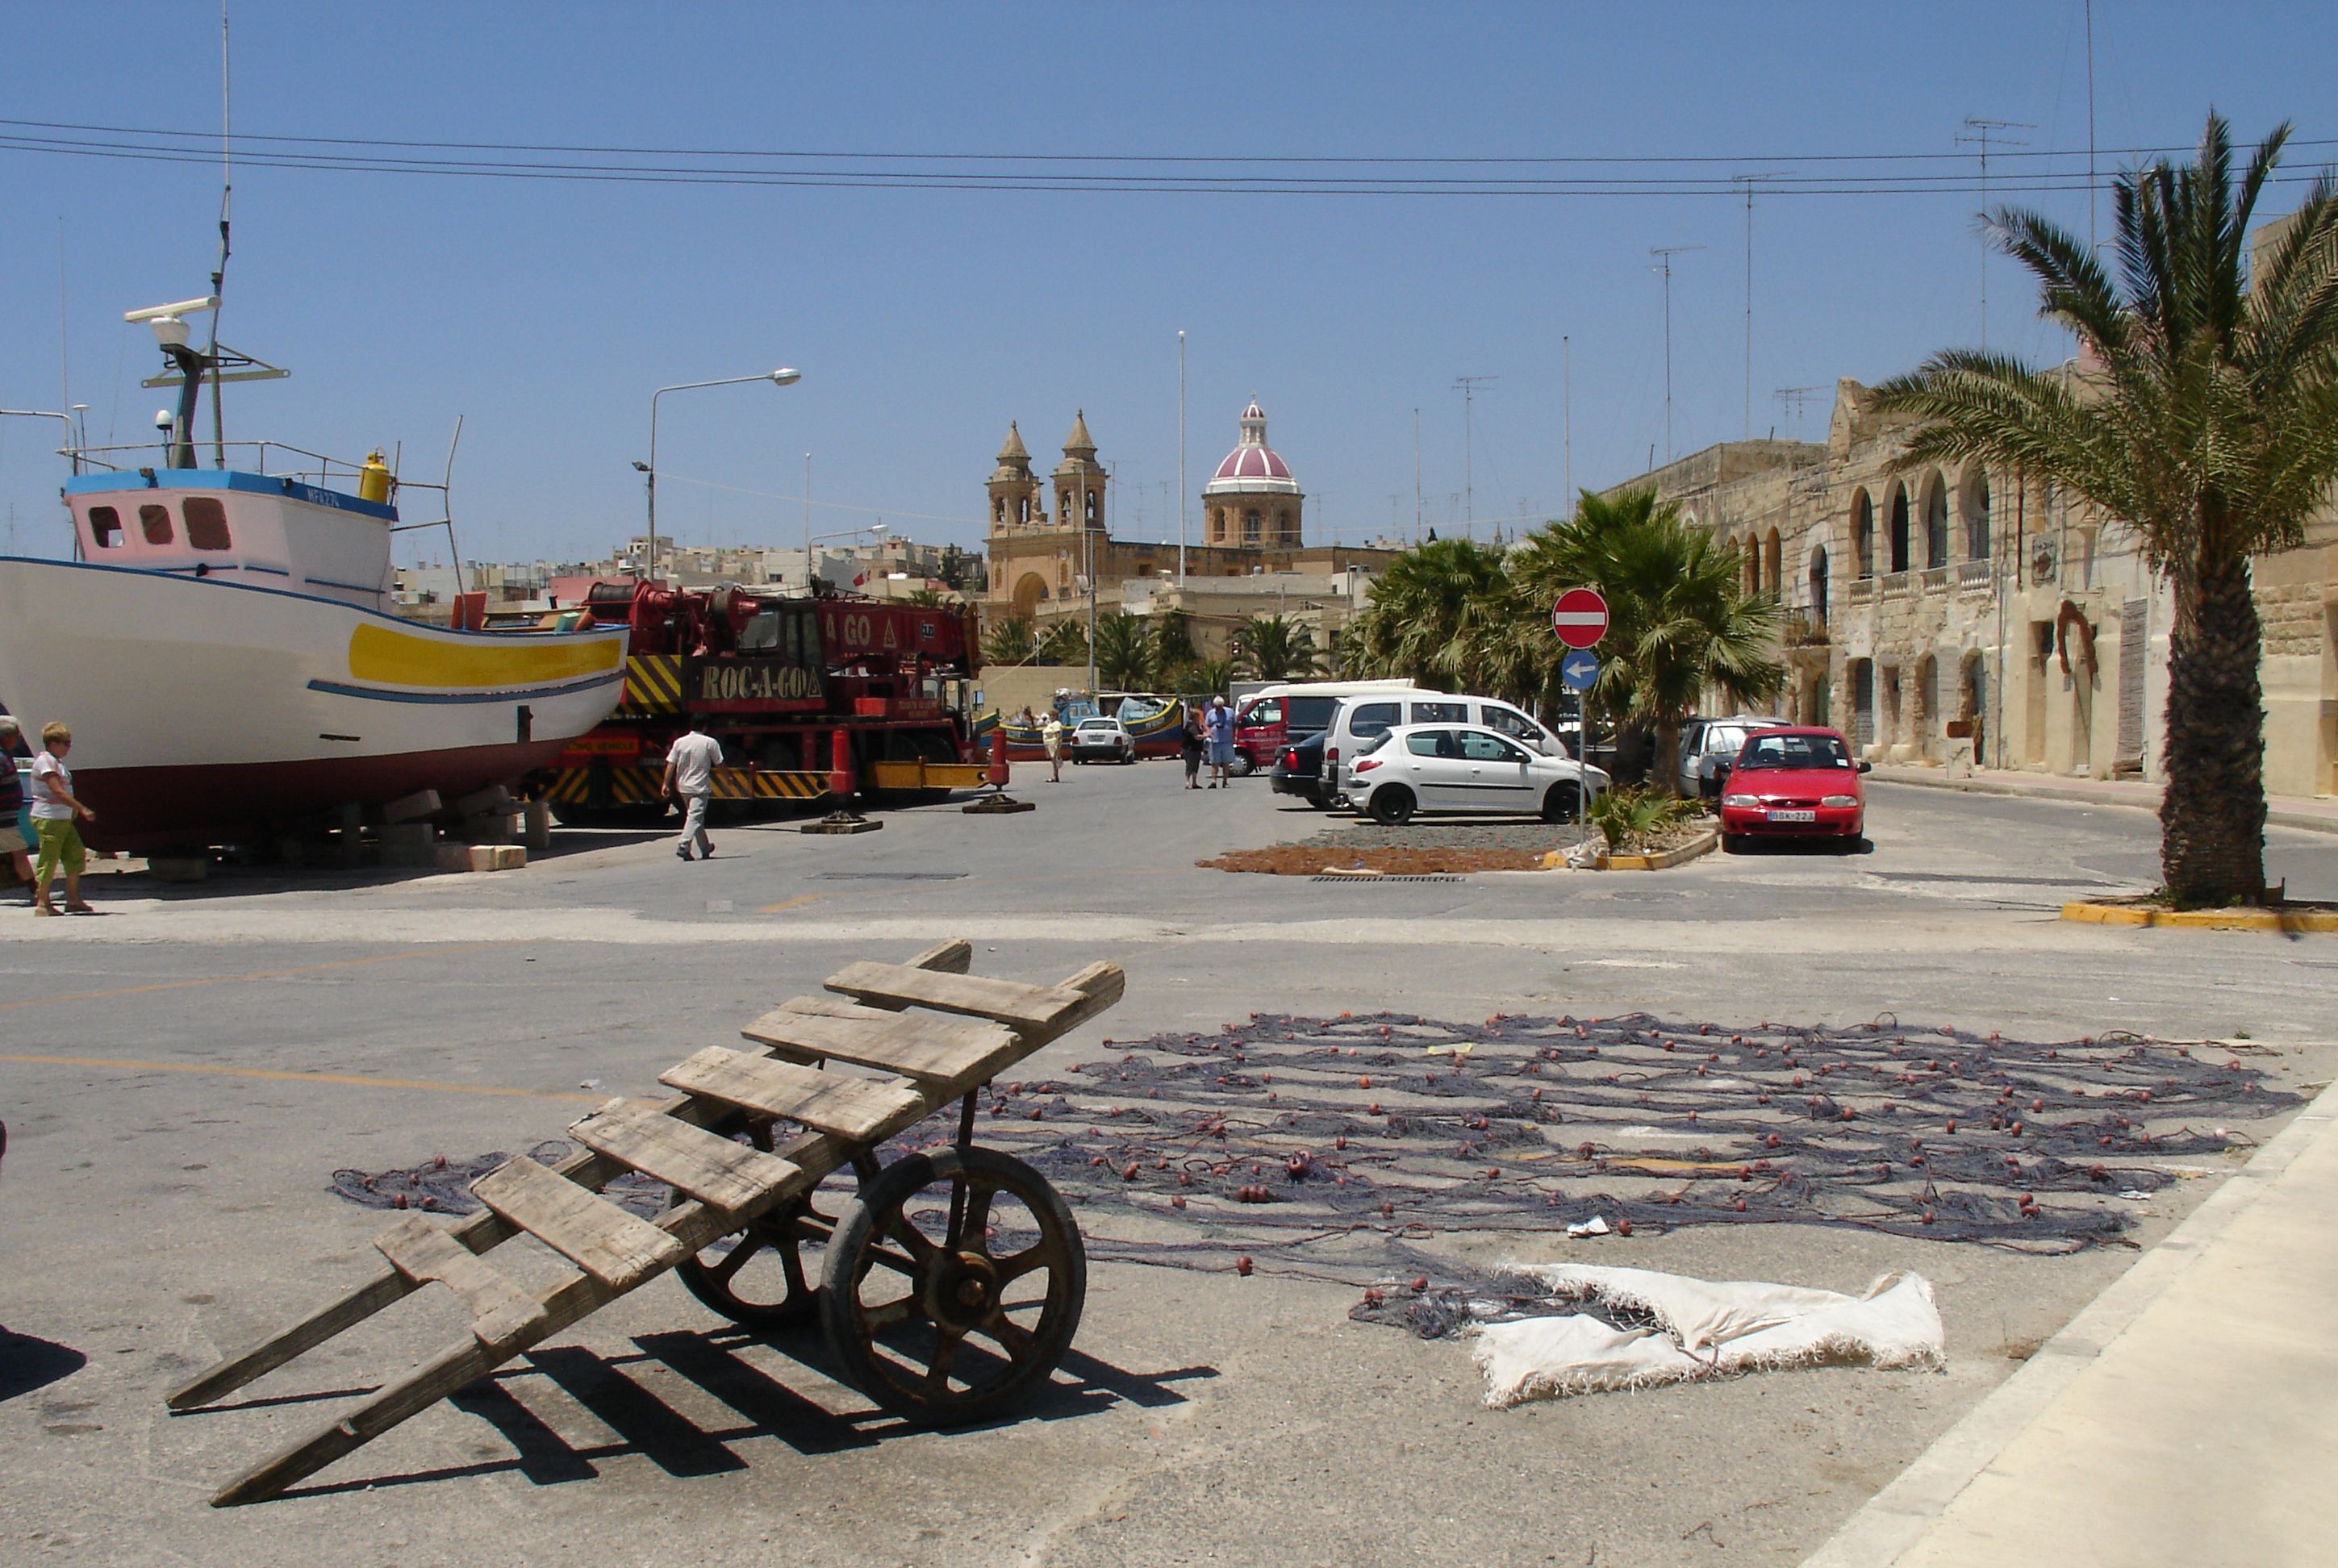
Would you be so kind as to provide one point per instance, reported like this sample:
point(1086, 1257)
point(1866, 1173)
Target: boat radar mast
point(189, 364)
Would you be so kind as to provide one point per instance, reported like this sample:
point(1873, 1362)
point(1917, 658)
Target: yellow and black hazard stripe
point(652, 683)
point(768, 784)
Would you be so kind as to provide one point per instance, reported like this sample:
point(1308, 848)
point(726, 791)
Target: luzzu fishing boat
point(225, 653)
point(1158, 725)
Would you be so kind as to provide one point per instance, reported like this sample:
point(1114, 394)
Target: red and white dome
point(1252, 468)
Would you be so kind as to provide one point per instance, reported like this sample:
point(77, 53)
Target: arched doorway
point(1972, 501)
point(1927, 705)
point(1862, 703)
point(1936, 522)
point(1030, 589)
point(1972, 705)
point(1819, 586)
point(1863, 535)
point(1773, 564)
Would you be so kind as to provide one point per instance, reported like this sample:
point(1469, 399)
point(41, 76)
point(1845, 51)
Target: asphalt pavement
point(181, 1077)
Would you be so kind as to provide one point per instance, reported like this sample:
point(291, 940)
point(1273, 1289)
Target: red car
point(1796, 781)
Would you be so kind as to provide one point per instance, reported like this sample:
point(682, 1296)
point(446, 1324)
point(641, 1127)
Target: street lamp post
point(874, 530)
point(782, 376)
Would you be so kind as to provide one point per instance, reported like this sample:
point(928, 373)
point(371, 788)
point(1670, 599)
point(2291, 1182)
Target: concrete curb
point(2286, 922)
point(2275, 816)
point(1896, 1519)
point(1556, 859)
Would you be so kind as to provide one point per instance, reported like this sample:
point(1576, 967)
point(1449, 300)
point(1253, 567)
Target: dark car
point(1300, 771)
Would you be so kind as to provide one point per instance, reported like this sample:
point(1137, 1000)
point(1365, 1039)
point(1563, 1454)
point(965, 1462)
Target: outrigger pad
point(931, 1033)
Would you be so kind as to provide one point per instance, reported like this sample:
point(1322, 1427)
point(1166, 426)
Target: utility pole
point(2090, 126)
point(1664, 255)
point(1981, 129)
point(1468, 386)
point(807, 520)
point(1415, 476)
point(1749, 180)
point(1566, 412)
point(1181, 457)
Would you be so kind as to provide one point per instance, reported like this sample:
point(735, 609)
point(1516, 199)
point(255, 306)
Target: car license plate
point(1776, 815)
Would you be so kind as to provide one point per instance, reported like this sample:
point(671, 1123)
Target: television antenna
point(1664, 255)
point(1794, 400)
point(1981, 129)
point(1468, 386)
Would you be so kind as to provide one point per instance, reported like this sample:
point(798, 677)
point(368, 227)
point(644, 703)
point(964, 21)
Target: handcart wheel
point(941, 1334)
point(761, 1277)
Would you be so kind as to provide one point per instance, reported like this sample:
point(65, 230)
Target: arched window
point(1095, 507)
point(1899, 528)
point(1250, 527)
point(1972, 500)
point(1749, 564)
point(1862, 534)
point(1023, 510)
point(1773, 564)
point(1936, 521)
point(1819, 586)
point(999, 508)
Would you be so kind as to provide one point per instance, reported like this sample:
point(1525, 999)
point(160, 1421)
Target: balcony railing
point(1894, 587)
point(1935, 577)
point(1862, 590)
point(1975, 573)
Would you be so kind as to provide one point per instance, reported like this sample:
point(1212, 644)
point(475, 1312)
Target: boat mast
point(218, 274)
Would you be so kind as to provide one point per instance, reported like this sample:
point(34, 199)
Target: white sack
point(1703, 1330)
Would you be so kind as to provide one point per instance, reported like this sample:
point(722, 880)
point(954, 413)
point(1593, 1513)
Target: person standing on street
point(55, 812)
point(1221, 729)
point(690, 764)
point(1195, 743)
point(1052, 732)
point(12, 802)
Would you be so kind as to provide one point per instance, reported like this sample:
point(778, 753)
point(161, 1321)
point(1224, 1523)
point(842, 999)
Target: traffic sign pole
point(1579, 617)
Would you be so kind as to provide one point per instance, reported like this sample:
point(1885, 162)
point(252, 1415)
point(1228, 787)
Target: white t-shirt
point(695, 757)
point(49, 775)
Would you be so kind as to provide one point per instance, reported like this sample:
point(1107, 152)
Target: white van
point(1368, 714)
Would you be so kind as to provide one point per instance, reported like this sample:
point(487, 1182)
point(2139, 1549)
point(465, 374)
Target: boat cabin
point(255, 530)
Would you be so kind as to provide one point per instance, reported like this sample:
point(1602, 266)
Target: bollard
point(839, 765)
point(998, 769)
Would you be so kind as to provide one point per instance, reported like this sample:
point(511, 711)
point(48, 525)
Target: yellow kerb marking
point(391, 658)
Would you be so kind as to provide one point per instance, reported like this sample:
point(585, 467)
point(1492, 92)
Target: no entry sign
point(1580, 617)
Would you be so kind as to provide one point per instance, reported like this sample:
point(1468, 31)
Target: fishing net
point(1361, 1149)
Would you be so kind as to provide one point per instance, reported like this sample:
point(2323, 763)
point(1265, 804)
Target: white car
point(1461, 767)
point(1362, 717)
point(1101, 739)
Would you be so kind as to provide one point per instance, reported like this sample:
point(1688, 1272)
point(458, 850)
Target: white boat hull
point(202, 708)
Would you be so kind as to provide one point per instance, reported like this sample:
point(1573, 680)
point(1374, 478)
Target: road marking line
point(287, 1076)
point(256, 975)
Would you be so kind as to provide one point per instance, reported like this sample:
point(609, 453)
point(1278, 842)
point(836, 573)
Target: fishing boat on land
point(1157, 724)
point(225, 648)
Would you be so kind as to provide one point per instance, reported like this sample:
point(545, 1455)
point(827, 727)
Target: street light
point(874, 530)
point(783, 376)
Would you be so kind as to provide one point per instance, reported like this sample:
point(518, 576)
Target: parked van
point(1362, 717)
point(1275, 717)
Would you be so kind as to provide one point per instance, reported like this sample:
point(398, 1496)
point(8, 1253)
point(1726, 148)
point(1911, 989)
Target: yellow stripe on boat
point(389, 658)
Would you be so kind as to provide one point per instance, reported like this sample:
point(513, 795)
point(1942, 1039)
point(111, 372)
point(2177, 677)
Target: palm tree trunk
point(1667, 764)
point(2212, 819)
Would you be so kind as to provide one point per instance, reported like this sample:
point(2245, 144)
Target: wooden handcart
point(950, 1281)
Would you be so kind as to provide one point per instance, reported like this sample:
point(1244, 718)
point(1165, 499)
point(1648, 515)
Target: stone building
point(1048, 537)
point(1935, 606)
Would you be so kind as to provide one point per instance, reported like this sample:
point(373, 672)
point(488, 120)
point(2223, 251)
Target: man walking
point(1052, 734)
point(1220, 727)
point(690, 764)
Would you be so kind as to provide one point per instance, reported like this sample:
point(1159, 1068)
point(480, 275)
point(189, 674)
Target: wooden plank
point(482, 1232)
point(586, 1228)
point(713, 1169)
point(1008, 1002)
point(837, 1007)
point(422, 1252)
point(850, 1107)
point(917, 1045)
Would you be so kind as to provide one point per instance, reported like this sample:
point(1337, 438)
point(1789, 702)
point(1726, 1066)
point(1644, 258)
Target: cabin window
point(154, 522)
point(206, 524)
point(105, 527)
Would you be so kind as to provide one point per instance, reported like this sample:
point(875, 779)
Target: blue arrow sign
point(1578, 670)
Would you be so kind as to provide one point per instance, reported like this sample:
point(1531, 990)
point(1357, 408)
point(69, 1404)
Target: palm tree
point(1008, 640)
point(1680, 624)
point(1065, 642)
point(2206, 419)
point(931, 598)
point(1431, 602)
point(1173, 636)
point(1274, 649)
point(1201, 677)
point(1126, 658)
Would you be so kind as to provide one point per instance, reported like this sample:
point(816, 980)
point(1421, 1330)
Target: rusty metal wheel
point(764, 1278)
point(953, 1285)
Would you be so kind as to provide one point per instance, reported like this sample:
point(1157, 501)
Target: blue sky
point(545, 312)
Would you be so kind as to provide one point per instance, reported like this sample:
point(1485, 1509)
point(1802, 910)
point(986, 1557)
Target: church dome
point(1252, 468)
